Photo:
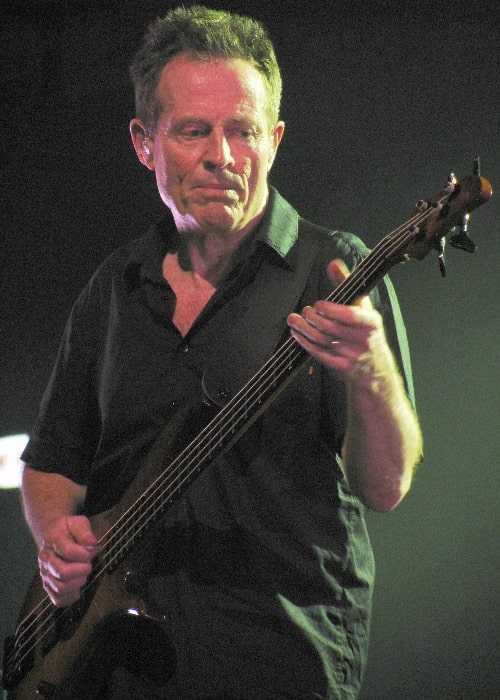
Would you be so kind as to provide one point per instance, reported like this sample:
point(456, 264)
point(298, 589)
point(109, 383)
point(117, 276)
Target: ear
point(276, 136)
point(143, 144)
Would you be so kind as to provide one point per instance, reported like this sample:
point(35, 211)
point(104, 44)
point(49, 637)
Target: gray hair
point(201, 32)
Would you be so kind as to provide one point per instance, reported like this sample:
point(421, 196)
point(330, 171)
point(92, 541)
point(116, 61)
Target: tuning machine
point(461, 239)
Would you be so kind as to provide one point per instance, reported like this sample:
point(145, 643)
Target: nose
point(218, 152)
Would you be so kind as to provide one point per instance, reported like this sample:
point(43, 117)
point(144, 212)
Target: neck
point(211, 255)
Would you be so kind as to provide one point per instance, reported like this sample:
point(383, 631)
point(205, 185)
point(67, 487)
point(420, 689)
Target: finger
point(61, 598)
point(332, 354)
point(55, 567)
point(333, 322)
point(62, 581)
point(307, 326)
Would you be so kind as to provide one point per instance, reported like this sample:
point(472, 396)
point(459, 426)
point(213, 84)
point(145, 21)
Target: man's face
point(213, 144)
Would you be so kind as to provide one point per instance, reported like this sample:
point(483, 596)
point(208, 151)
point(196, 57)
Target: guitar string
point(288, 353)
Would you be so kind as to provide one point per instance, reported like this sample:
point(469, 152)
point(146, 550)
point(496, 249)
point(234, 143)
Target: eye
point(193, 133)
point(244, 133)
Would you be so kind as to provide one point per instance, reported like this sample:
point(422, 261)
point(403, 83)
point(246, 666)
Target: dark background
point(382, 100)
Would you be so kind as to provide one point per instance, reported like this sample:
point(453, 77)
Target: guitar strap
point(251, 325)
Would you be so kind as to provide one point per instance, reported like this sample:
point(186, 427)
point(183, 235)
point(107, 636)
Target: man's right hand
point(65, 558)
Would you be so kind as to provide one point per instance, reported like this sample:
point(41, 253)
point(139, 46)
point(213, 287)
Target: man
point(262, 572)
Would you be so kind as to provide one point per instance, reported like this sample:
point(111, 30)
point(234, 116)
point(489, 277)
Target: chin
point(226, 220)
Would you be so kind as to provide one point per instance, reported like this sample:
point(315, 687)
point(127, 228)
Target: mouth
point(217, 185)
point(218, 190)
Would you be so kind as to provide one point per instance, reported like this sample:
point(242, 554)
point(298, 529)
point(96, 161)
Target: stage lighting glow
point(11, 448)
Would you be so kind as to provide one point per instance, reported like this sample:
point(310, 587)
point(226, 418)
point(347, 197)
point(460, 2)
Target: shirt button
point(184, 348)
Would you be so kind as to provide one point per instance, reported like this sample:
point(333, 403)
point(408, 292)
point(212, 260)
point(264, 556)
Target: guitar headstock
point(437, 216)
point(426, 230)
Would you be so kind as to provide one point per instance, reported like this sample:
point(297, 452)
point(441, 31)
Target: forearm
point(47, 497)
point(383, 443)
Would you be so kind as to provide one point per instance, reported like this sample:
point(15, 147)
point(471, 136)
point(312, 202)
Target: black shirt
point(266, 557)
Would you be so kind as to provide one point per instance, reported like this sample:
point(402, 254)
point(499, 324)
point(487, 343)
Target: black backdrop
point(381, 101)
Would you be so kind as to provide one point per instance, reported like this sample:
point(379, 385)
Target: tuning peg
point(451, 183)
point(461, 240)
point(440, 250)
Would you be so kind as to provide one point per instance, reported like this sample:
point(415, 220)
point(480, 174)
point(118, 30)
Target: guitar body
point(115, 630)
point(111, 624)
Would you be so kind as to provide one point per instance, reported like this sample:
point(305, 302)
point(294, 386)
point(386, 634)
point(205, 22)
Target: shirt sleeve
point(65, 433)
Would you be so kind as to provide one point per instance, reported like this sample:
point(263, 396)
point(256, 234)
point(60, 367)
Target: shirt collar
point(279, 227)
point(277, 232)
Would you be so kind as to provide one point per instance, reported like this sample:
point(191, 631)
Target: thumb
point(80, 530)
point(337, 271)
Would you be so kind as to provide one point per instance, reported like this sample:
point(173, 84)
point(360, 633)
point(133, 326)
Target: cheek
point(167, 180)
point(170, 174)
point(256, 170)
point(171, 163)
point(247, 169)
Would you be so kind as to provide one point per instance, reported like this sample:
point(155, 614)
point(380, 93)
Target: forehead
point(212, 83)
